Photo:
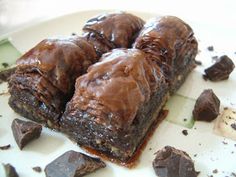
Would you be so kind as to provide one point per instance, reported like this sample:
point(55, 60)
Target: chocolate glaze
point(45, 76)
point(170, 42)
point(116, 103)
point(119, 29)
point(122, 81)
point(60, 60)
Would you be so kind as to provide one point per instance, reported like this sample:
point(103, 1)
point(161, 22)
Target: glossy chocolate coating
point(170, 42)
point(119, 29)
point(59, 60)
point(119, 84)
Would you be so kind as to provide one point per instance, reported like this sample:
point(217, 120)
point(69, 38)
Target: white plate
point(211, 152)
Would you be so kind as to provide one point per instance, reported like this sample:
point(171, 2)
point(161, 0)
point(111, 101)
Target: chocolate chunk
point(171, 162)
point(37, 169)
point(73, 164)
point(185, 132)
point(6, 147)
point(210, 48)
point(5, 74)
point(25, 131)
point(220, 70)
point(207, 106)
point(10, 171)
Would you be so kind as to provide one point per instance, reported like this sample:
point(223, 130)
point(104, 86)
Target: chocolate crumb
point(150, 149)
point(37, 169)
point(5, 65)
point(233, 174)
point(185, 132)
point(226, 108)
point(6, 147)
point(210, 48)
point(73, 34)
point(234, 112)
point(10, 171)
point(198, 62)
point(233, 126)
point(195, 155)
point(185, 120)
point(215, 171)
point(225, 143)
point(215, 57)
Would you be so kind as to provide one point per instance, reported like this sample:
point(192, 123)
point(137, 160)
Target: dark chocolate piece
point(5, 74)
point(207, 106)
point(171, 162)
point(25, 131)
point(220, 70)
point(10, 171)
point(73, 164)
point(172, 45)
point(116, 103)
point(37, 169)
point(210, 48)
point(6, 147)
